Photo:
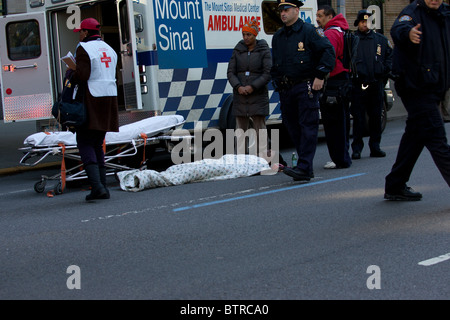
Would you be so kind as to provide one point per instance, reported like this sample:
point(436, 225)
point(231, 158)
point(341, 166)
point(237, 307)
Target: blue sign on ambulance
point(180, 34)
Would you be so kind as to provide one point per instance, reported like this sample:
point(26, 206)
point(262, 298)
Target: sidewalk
point(13, 134)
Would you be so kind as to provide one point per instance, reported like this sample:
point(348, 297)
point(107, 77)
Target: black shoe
point(98, 191)
point(406, 194)
point(107, 195)
point(311, 175)
point(297, 174)
point(356, 155)
point(378, 154)
point(102, 171)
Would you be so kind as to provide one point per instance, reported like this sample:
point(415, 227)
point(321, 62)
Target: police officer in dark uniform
point(373, 64)
point(421, 35)
point(302, 58)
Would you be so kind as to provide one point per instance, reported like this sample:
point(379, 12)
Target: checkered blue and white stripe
point(198, 93)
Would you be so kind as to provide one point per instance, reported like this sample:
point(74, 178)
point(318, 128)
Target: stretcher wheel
point(58, 188)
point(39, 186)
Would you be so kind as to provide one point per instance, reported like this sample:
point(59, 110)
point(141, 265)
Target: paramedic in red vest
point(334, 103)
point(96, 72)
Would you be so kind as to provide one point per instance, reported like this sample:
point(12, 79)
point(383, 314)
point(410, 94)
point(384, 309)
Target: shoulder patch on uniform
point(404, 18)
point(320, 32)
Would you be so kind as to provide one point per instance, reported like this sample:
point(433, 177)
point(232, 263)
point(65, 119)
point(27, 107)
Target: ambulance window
point(271, 17)
point(124, 25)
point(23, 40)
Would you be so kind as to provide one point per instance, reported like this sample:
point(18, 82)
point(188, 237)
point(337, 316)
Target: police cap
point(286, 4)
point(362, 15)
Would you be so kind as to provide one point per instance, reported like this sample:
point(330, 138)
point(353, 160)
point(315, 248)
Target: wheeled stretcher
point(117, 146)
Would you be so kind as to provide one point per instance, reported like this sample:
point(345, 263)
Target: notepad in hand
point(69, 60)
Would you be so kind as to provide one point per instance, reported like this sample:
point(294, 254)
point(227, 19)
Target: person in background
point(373, 64)
point(421, 34)
point(302, 58)
point(95, 73)
point(248, 74)
point(334, 103)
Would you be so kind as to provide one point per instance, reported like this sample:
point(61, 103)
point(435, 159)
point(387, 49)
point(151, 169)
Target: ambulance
point(173, 55)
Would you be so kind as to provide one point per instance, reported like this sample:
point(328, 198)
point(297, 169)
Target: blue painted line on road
point(211, 203)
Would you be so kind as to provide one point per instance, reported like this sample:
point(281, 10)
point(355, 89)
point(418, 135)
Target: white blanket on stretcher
point(228, 167)
point(149, 126)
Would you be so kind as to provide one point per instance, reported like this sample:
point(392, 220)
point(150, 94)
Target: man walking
point(421, 35)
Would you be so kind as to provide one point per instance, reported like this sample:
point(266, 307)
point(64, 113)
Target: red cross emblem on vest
point(105, 59)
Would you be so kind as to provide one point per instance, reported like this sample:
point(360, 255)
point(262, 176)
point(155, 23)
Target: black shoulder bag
point(70, 110)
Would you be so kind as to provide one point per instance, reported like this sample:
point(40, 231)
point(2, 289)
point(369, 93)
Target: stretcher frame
point(113, 151)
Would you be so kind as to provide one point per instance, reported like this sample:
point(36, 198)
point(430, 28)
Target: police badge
point(404, 18)
point(320, 32)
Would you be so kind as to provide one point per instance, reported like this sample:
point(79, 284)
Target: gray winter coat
point(250, 68)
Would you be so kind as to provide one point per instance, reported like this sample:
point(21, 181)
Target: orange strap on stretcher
point(144, 136)
point(63, 167)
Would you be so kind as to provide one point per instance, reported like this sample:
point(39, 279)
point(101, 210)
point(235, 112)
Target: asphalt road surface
point(254, 238)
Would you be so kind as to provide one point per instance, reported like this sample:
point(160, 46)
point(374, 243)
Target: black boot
point(103, 181)
point(98, 191)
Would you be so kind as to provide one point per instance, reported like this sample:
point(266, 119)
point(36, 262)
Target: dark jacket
point(374, 58)
point(422, 69)
point(250, 68)
point(102, 112)
point(301, 51)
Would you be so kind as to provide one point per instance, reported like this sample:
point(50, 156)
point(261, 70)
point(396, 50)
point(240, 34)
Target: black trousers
point(424, 128)
point(300, 115)
point(368, 100)
point(90, 145)
point(334, 109)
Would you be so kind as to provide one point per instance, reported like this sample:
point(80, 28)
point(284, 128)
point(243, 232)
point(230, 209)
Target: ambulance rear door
point(25, 74)
point(128, 54)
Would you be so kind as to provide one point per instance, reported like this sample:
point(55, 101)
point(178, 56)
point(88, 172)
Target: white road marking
point(184, 203)
point(220, 198)
point(303, 185)
point(436, 260)
point(5, 194)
